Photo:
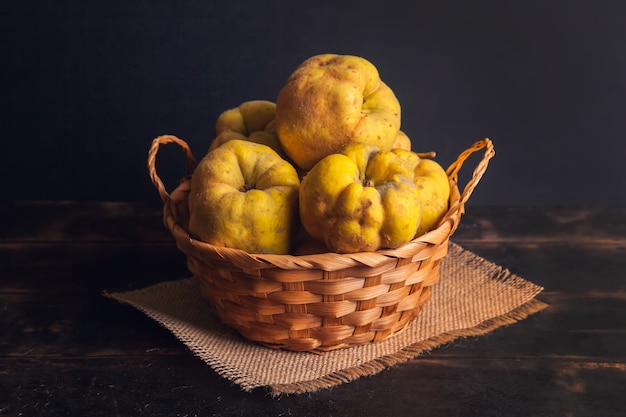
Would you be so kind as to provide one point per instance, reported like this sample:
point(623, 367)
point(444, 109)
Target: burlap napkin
point(472, 297)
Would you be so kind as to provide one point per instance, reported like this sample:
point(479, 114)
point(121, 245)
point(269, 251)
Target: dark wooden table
point(66, 350)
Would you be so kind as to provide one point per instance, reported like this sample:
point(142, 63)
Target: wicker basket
point(316, 302)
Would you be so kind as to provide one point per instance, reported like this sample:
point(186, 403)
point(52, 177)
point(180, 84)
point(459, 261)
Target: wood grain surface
point(65, 350)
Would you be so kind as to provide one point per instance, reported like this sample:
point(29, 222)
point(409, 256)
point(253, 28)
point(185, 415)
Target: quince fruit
point(433, 187)
point(253, 121)
point(402, 141)
point(244, 195)
point(434, 191)
point(361, 199)
point(331, 100)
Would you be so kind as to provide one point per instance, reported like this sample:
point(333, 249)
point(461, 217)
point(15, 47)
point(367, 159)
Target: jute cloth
point(473, 296)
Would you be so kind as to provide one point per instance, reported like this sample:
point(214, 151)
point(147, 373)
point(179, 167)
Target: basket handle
point(453, 169)
point(154, 149)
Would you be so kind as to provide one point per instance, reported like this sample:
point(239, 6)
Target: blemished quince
point(402, 141)
point(434, 191)
point(253, 121)
point(361, 199)
point(331, 100)
point(244, 195)
point(433, 188)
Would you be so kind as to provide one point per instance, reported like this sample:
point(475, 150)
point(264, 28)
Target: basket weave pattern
point(322, 301)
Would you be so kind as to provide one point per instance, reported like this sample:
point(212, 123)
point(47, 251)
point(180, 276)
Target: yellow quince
point(244, 195)
point(361, 199)
point(434, 191)
point(252, 120)
point(433, 187)
point(331, 100)
point(402, 141)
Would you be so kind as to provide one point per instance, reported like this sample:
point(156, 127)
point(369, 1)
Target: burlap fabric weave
point(472, 297)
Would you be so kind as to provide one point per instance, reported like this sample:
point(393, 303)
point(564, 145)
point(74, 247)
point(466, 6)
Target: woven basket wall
point(316, 302)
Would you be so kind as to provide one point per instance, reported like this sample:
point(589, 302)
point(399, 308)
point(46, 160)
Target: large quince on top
point(361, 199)
point(331, 100)
point(253, 121)
point(244, 195)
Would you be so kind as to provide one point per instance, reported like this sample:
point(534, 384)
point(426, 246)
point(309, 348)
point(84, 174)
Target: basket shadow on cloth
point(317, 302)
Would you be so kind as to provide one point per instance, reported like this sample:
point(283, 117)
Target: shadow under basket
point(316, 302)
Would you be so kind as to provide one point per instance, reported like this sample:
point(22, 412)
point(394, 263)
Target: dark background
point(86, 85)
